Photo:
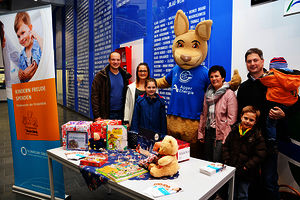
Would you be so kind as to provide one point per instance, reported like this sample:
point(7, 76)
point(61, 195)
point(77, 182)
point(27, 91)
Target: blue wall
point(128, 21)
point(221, 35)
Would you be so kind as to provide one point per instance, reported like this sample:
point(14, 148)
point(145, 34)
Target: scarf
point(242, 133)
point(212, 97)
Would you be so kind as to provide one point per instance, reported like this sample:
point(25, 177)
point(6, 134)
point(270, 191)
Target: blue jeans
point(272, 123)
point(116, 114)
point(271, 128)
point(241, 189)
point(269, 177)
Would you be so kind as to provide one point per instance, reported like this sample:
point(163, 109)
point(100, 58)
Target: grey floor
point(74, 183)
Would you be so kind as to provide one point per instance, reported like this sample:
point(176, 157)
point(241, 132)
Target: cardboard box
point(75, 135)
point(212, 168)
point(100, 127)
point(183, 153)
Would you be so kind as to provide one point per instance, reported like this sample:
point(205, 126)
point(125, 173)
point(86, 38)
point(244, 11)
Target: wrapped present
point(99, 127)
point(94, 159)
point(75, 135)
point(116, 137)
point(183, 153)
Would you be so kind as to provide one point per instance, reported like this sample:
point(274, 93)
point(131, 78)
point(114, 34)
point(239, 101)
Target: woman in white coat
point(134, 90)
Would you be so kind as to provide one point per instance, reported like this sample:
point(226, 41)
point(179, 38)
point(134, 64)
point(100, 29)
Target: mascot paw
point(150, 166)
point(235, 80)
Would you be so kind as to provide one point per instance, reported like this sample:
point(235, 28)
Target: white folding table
point(195, 185)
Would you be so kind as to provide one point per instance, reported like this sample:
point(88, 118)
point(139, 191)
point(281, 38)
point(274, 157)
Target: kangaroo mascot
point(188, 79)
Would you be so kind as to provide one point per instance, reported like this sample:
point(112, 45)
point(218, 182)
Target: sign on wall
point(83, 57)
point(70, 72)
point(291, 7)
point(103, 33)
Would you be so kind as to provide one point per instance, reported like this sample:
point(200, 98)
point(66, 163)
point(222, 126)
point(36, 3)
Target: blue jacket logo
point(185, 76)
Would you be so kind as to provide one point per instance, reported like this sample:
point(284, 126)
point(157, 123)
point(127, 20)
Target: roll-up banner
point(27, 48)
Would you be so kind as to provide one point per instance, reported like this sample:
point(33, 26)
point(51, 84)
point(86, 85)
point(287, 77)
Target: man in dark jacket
point(253, 92)
point(109, 90)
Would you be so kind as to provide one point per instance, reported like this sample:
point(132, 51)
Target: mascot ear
point(203, 29)
point(181, 23)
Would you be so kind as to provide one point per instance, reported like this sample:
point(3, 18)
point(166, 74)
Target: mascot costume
point(188, 79)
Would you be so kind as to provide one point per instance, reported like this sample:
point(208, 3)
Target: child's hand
point(128, 126)
point(276, 113)
point(98, 119)
point(28, 73)
point(38, 38)
point(34, 35)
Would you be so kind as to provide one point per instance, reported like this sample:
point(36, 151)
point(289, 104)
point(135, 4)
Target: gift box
point(94, 159)
point(99, 127)
point(183, 153)
point(75, 135)
point(146, 139)
point(116, 137)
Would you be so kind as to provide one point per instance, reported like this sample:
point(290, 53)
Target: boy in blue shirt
point(33, 43)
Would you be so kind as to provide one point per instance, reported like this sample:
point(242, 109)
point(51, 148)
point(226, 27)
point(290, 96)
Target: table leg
point(231, 188)
point(51, 178)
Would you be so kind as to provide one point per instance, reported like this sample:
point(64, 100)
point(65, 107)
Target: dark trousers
point(269, 177)
point(212, 147)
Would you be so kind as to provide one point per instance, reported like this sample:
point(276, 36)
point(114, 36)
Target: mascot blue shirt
point(188, 89)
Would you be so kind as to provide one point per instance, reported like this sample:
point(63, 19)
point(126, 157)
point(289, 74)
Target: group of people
point(236, 130)
point(137, 104)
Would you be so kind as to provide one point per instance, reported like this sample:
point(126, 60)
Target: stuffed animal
point(188, 79)
point(167, 164)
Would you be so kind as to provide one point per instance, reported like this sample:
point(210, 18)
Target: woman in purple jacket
point(219, 113)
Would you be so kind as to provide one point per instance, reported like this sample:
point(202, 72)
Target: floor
point(74, 183)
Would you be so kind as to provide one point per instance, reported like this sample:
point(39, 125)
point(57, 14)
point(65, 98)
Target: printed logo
point(30, 123)
point(156, 136)
point(185, 76)
point(23, 151)
point(292, 3)
point(184, 89)
point(175, 87)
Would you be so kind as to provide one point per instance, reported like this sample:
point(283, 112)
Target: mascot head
point(190, 46)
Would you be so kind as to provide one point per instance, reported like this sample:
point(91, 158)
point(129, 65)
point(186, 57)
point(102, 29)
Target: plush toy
point(165, 164)
point(97, 143)
point(188, 79)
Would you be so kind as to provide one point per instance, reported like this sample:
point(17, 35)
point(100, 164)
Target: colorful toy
point(165, 164)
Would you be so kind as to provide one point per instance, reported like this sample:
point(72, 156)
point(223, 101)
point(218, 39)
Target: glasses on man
point(143, 71)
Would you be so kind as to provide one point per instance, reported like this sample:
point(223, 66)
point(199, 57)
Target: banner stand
point(31, 100)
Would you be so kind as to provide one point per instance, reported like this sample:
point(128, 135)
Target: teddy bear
point(188, 79)
point(165, 163)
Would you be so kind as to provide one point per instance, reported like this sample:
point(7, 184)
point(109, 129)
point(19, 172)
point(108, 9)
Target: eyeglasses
point(143, 71)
